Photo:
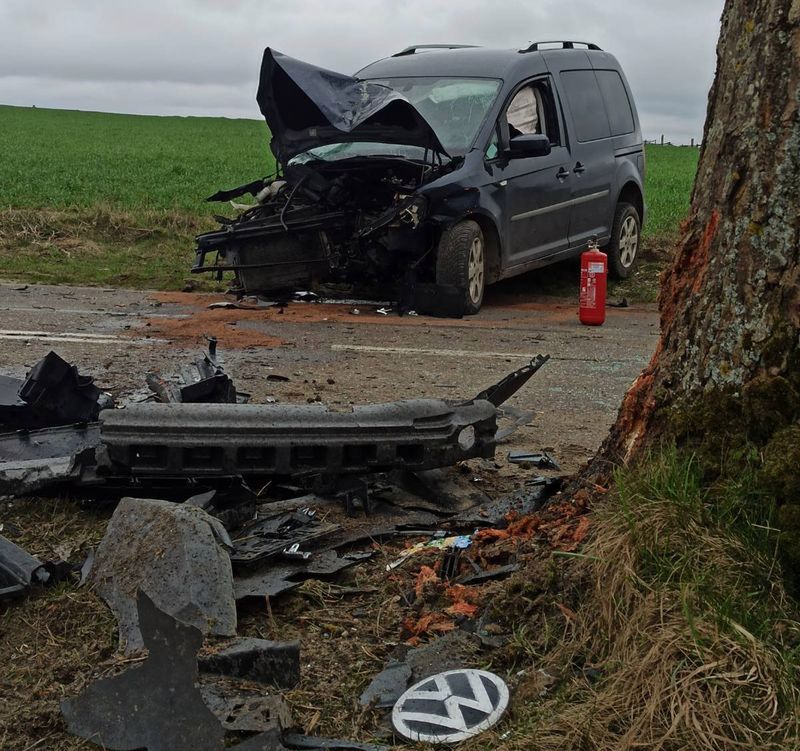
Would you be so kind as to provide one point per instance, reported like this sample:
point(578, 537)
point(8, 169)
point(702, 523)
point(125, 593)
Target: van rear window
point(585, 104)
point(618, 106)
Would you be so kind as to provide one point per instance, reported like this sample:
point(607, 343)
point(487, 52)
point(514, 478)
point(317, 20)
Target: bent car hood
point(306, 106)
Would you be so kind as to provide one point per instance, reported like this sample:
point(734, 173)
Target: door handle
point(578, 169)
point(562, 174)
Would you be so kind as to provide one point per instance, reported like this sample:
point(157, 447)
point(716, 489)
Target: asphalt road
point(333, 355)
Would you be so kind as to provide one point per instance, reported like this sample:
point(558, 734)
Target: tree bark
point(730, 302)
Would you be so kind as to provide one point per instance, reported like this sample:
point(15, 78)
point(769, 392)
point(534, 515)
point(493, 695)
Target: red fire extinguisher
point(594, 268)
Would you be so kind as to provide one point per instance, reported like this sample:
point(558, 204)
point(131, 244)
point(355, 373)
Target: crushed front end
point(359, 221)
point(335, 211)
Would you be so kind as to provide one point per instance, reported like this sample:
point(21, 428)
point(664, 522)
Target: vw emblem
point(449, 707)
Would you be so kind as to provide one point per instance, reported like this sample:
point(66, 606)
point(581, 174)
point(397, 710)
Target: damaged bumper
point(220, 439)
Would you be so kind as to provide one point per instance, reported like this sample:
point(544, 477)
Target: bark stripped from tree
point(730, 303)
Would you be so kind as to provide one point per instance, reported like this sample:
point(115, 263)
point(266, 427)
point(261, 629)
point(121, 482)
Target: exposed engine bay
point(358, 221)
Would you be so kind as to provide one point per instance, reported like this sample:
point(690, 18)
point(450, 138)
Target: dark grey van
point(437, 171)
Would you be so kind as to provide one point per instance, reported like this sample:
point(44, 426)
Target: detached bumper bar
point(201, 439)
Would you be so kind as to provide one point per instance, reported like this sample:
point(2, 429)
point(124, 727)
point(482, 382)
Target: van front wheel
point(623, 250)
point(461, 263)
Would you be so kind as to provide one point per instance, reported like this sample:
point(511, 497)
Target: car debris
point(274, 535)
point(504, 389)
point(205, 382)
point(407, 664)
point(278, 577)
point(178, 442)
point(158, 705)
point(450, 707)
point(260, 660)
point(439, 542)
point(294, 440)
point(48, 459)
point(53, 393)
point(245, 708)
point(318, 743)
point(175, 554)
point(540, 459)
point(435, 490)
point(19, 570)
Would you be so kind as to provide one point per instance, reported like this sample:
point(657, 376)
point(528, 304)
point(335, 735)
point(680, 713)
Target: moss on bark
point(769, 403)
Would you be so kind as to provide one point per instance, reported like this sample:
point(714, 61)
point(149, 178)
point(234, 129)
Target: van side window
point(618, 106)
point(585, 104)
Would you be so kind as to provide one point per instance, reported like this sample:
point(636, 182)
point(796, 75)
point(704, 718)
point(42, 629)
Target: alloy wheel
point(628, 241)
point(475, 271)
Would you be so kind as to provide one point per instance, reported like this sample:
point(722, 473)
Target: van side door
point(592, 157)
point(534, 192)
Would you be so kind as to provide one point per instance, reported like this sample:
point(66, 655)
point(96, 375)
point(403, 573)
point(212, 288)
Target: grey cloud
point(201, 56)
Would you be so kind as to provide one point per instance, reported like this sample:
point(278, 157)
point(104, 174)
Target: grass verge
point(148, 249)
point(681, 637)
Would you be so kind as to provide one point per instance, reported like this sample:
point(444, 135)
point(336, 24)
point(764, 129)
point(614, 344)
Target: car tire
point(461, 263)
point(626, 235)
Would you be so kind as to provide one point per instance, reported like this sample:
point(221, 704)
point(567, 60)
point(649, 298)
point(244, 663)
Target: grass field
point(89, 197)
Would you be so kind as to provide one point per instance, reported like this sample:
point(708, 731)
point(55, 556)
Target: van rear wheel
point(461, 263)
point(623, 250)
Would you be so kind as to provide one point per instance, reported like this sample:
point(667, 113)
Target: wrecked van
point(436, 171)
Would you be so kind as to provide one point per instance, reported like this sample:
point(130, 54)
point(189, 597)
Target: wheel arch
point(631, 193)
point(492, 245)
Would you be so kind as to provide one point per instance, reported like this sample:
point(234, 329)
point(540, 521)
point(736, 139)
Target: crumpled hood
point(306, 106)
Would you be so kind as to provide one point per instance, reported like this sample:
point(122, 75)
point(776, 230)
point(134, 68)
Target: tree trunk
point(730, 303)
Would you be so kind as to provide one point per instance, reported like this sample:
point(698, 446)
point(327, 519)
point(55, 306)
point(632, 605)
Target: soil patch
point(229, 326)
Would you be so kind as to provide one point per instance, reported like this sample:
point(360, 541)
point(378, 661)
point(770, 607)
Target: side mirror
point(529, 144)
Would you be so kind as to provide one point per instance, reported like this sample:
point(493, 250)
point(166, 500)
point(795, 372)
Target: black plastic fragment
point(226, 195)
point(205, 381)
point(298, 741)
point(18, 570)
point(157, 705)
point(387, 686)
point(54, 393)
point(540, 459)
point(273, 663)
point(513, 382)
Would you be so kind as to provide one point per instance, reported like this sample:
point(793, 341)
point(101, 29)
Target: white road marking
point(93, 311)
point(77, 337)
point(471, 353)
point(420, 351)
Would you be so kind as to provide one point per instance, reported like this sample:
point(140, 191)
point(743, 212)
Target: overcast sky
point(201, 57)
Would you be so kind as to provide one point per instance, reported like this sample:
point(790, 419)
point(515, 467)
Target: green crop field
point(60, 159)
point(116, 199)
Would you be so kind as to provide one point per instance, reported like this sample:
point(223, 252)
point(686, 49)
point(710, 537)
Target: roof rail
point(565, 45)
point(414, 47)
